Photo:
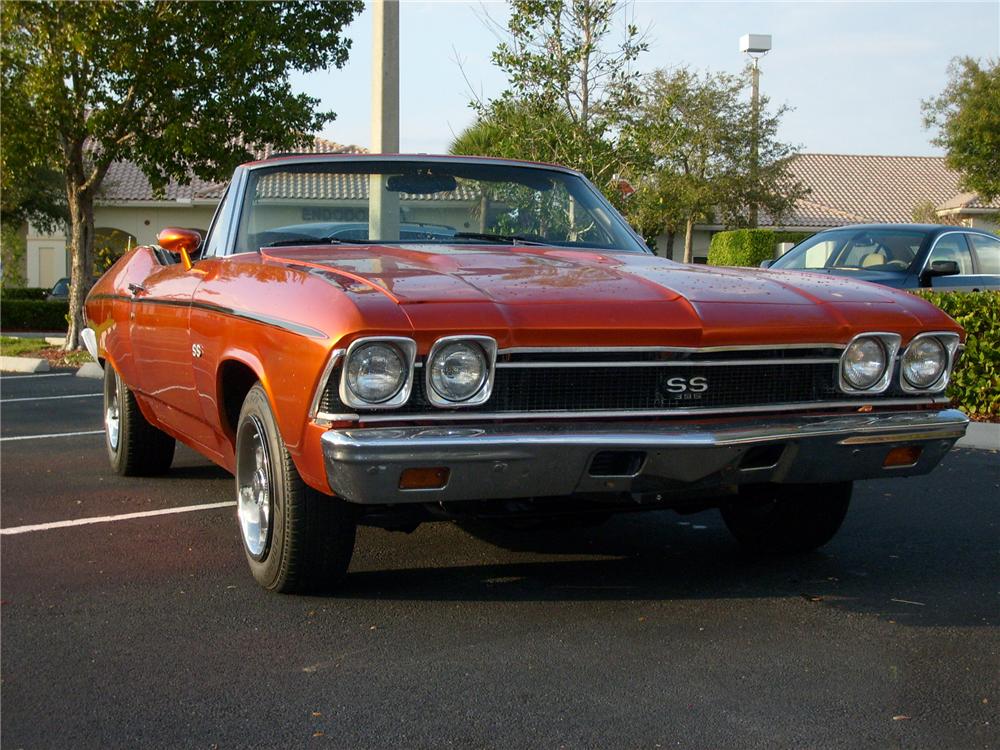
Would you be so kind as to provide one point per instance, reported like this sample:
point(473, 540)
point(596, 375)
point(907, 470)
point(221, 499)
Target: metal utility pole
point(755, 45)
point(383, 206)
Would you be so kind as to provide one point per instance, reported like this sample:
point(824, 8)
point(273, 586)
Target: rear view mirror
point(181, 241)
point(766, 263)
point(421, 184)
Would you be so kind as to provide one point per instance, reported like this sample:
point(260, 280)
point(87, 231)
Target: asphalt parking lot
point(652, 631)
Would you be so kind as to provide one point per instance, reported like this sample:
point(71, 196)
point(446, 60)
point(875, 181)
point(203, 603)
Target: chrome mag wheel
point(255, 495)
point(112, 415)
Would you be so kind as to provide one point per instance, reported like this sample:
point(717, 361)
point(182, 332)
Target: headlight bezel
point(487, 345)
point(890, 343)
point(951, 342)
point(406, 347)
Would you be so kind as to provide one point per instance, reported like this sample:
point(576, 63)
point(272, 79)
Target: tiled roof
point(848, 188)
point(125, 182)
point(344, 187)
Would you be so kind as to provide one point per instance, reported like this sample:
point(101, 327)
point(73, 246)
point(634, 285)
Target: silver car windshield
point(891, 250)
point(446, 202)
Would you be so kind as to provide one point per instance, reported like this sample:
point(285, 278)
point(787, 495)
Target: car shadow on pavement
point(694, 558)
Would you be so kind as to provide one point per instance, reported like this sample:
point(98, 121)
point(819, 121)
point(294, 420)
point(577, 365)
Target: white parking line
point(50, 398)
point(25, 377)
point(51, 435)
point(109, 519)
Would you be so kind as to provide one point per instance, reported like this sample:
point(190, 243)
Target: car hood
point(593, 291)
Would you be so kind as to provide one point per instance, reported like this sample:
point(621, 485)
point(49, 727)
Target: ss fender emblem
point(196, 350)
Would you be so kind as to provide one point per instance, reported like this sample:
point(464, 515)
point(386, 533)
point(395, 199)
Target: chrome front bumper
point(507, 461)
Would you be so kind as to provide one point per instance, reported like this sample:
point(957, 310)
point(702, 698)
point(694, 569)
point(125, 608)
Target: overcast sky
point(855, 72)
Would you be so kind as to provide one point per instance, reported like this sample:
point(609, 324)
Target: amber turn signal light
point(905, 455)
point(424, 479)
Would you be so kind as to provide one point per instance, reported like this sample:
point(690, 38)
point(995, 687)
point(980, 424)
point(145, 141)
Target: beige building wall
point(700, 240)
point(47, 256)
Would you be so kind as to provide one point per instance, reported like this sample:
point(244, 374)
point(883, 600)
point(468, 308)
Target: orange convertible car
point(395, 339)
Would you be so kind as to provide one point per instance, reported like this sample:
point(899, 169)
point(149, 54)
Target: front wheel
point(295, 538)
point(135, 448)
point(787, 518)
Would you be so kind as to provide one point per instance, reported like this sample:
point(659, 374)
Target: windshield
point(890, 250)
point(426, 202)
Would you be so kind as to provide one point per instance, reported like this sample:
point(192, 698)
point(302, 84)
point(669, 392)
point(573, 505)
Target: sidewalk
point(982, 435)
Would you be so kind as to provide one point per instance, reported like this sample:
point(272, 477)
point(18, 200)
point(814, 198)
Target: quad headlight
point(867, 362)
point(864, 363)
point(460, 370)
point(927, 362)
point(924, 362)
point(378, 372)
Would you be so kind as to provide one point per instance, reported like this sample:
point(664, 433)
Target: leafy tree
point(925, 212)
point(966, 116)
point(695, 134)
point(567, 87)
point(176, 87)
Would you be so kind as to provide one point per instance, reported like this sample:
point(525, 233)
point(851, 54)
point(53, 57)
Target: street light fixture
point(755, 45)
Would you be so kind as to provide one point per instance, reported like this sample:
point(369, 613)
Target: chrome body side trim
point(554, 460)
point(927, 400)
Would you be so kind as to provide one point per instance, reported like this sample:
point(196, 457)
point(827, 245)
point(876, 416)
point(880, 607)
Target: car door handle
point(136, 289)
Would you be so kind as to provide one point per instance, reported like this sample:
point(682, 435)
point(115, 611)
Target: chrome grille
point(638, 381)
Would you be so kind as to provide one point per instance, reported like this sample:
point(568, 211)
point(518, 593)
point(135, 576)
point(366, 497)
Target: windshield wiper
point(512, 239)
point(317, 241)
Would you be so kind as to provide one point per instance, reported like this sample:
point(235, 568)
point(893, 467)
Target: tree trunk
point(688, 249)
point(81, 217)
point(671, 236)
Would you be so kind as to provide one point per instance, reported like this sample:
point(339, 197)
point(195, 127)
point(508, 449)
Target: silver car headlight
point(460, 370)
point(927, 362)
point(378, 372)
point(924, 362)
point(867, 362)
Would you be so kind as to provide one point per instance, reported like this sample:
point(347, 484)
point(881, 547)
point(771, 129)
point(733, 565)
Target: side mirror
point(766, 263)
point(181, 241)
point(940, 268)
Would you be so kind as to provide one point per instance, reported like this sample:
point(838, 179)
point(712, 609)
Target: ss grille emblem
point(680, 389)
point(696, 384)
point(196, 350)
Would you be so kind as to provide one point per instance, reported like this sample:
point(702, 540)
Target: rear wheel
point(135, 447)
point(295, 538)
point(788, 518)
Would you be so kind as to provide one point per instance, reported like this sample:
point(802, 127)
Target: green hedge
point(33, 315)
point(748, 247)
point(741, 247)
point(794, 237)
point(25, 292)
point(975, 385)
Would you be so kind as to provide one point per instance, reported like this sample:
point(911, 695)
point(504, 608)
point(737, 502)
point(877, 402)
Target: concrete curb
point(23, 364)
point(55, 340)
point(90, 370)
point(982, 435)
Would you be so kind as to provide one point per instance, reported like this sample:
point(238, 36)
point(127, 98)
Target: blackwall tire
point(788, 519)
point(135, 447)
point(296, 540)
